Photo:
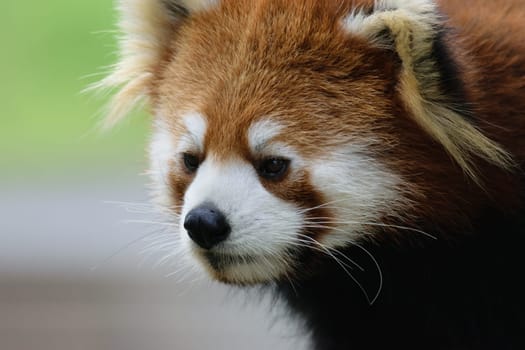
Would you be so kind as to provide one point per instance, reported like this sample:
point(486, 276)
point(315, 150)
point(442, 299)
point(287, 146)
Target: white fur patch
point(196, 125)
point(263, 225)
point(162, 151)
point(197, 5)
point(261, 132)
point(358, 189)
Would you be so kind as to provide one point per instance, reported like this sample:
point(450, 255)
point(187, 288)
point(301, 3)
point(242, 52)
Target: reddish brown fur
point(249, 59)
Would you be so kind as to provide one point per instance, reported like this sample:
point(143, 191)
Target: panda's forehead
point(262, 136)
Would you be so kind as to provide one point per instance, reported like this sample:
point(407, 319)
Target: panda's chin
point(242, 269)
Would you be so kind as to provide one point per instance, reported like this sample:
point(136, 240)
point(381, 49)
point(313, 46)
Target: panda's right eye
point(273, 168)
point(191, 162)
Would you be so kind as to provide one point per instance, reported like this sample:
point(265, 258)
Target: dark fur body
point(467, 294)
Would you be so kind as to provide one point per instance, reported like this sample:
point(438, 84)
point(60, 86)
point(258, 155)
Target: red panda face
point(267, 148)
point(248, 213)
point(285, 129)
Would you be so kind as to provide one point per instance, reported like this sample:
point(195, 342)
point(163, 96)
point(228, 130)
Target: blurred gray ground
point(53, 232)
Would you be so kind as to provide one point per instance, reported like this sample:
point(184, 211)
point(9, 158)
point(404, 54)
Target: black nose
point(206, 226)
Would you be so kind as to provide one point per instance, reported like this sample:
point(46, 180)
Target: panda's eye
point(191, 162)
point(273, 168)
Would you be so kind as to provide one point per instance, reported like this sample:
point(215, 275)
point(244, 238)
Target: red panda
point(363, 158)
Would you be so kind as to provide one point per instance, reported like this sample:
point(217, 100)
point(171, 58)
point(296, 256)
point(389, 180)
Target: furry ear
point(146, 27)
point(428, 82)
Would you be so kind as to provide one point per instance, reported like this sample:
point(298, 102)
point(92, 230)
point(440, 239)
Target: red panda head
point(290, 126)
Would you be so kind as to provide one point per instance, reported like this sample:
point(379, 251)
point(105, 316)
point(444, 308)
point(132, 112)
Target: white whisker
point(371, 302)
point(333, 221)
point(360, 286)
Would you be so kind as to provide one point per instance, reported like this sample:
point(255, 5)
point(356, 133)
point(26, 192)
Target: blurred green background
point(51, 51)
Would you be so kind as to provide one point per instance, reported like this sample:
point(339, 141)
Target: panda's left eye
point(191, 162)
point(273, 168)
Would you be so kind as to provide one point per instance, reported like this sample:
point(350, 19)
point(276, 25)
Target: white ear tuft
point(146, 27)
point(414, 30)
point(417, 18)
